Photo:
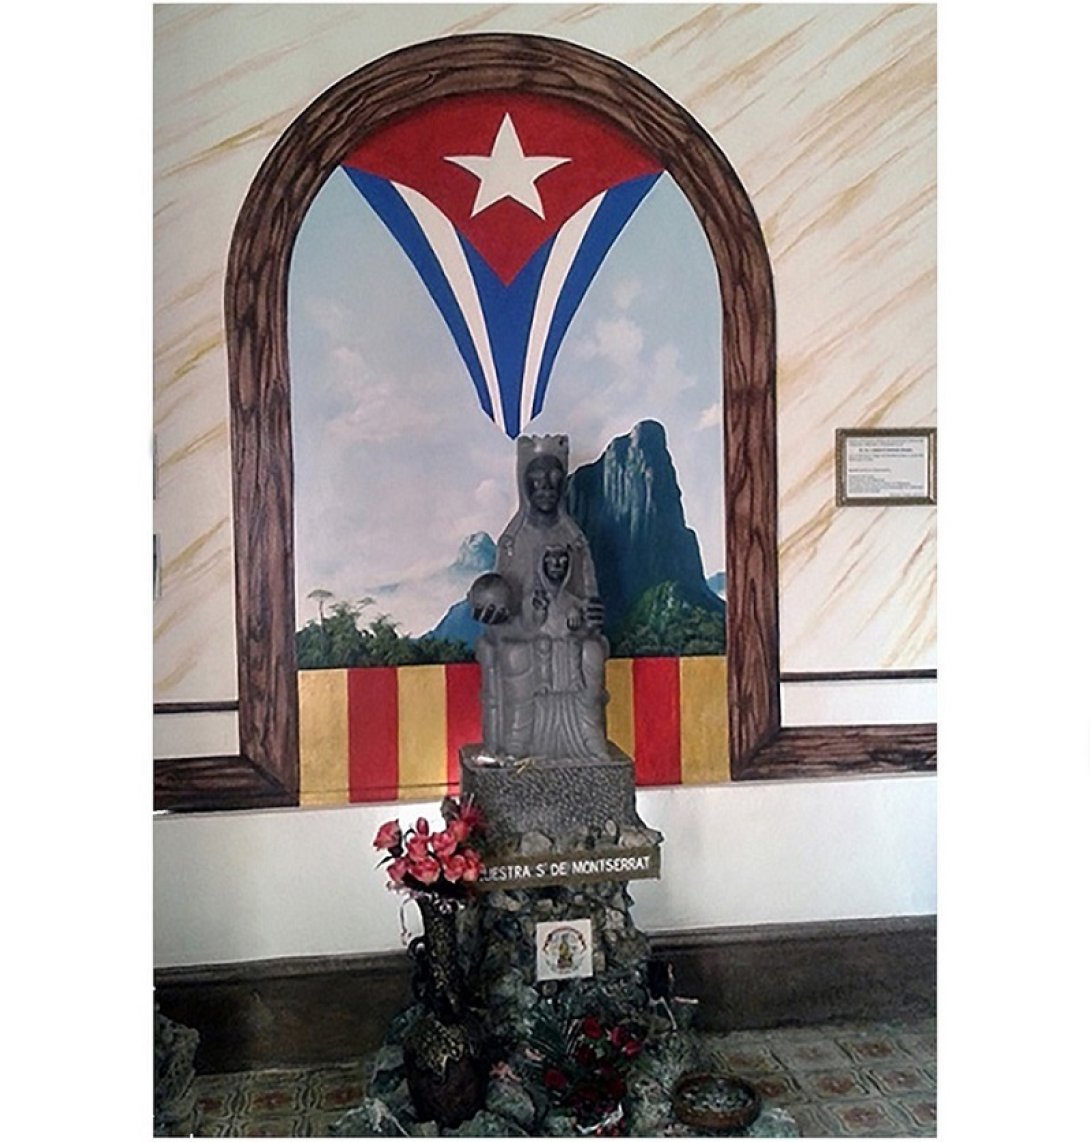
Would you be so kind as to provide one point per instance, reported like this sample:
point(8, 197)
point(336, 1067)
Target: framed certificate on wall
point(884, 467)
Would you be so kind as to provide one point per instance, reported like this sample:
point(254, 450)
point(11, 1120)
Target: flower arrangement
point(442, 863)
point(587, 1075)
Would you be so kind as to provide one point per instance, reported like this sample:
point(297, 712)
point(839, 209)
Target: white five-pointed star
point(507, 172)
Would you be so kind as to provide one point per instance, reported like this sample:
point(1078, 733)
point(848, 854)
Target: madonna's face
point(544, 483)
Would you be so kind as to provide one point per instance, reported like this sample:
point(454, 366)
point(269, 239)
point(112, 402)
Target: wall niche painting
point(582, 258)
point(494, 265)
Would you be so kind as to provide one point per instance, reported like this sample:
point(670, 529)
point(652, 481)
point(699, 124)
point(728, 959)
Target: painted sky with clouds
point(395, 464)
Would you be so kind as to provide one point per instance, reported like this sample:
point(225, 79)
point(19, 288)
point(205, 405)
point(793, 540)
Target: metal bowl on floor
point(709, 1100)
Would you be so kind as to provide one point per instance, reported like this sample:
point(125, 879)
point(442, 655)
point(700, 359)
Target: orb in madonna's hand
point(491, 598)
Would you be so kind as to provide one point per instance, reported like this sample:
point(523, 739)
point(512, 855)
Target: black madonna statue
point(542, 654)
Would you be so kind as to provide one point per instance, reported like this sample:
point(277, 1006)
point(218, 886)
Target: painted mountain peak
point(628, 503)
point(477, 553)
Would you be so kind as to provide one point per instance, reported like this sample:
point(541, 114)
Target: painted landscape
point(650, 574)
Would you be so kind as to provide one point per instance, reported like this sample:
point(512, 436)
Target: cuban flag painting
point(506, 205)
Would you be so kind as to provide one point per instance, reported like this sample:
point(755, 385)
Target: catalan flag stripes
point(422, 732)
point(373, 740)
point(463, 715)
point(323, 737)
point(393, 733)
point(657, 701)
point(702, 699)
point(620, 712)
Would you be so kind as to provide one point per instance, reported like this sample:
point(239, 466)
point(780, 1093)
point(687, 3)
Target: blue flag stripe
point(402, 224)
point(508, 311)
point(617, 208)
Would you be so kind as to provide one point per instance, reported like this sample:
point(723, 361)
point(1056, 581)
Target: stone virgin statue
point(542, 653)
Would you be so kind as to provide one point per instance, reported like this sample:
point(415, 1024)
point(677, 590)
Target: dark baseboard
point(325, 1009)
point(265, 1013)
point(798, 974)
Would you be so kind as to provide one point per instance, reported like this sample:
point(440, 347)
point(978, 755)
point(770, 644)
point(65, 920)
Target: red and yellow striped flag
point(391, 733)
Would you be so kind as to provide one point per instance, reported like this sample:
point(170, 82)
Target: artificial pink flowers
point(388, 836)
point(440, 863)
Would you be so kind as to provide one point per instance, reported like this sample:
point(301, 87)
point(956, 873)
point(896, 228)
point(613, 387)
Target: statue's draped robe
point(543, 681)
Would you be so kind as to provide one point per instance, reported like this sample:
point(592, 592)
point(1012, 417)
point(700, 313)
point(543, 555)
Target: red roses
point(442, 862)
point(587, 1072)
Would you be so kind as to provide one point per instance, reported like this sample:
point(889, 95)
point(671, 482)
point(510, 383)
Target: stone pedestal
point(560, 822)
point(563, 838)
point(556, 797)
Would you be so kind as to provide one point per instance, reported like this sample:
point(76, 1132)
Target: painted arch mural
point(538, 273)
point(522, 385)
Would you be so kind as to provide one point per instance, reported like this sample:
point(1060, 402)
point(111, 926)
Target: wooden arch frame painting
point(266, 772)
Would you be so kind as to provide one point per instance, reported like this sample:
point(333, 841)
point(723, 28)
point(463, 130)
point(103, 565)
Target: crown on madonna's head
point(531, 447)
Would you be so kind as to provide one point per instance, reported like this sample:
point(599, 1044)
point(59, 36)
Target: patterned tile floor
point(289, 1102)
point(873, 1080)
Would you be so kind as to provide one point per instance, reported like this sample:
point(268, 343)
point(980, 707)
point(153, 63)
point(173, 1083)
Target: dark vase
point(443, 1063)
point(438, 980)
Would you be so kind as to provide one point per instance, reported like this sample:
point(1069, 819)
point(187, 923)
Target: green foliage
point(337, 640)
point(663, 623)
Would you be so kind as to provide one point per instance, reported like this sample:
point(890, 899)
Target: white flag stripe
point(448, 250)
point(568, 239)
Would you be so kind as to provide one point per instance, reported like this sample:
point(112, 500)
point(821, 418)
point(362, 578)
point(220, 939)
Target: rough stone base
point(540, 814)
point(174, 1103)
point(499, 935)
point(497, 948)
point(513, 1108)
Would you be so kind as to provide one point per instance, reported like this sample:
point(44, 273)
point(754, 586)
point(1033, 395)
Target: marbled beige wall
point(827, 112)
